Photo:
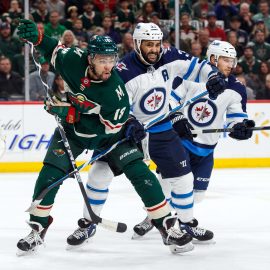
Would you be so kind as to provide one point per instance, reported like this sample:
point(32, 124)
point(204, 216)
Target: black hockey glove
point(216, 85)
point(242, 131)
point(182, 126)
point(134, 130)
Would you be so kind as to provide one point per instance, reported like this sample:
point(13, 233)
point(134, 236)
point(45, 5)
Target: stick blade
point(113, 226)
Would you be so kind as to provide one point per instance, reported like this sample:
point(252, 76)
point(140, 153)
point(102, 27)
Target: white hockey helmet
point(221, 48)
point(146, 31)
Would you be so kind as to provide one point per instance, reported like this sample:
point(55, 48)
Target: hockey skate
point(172, 236)
point(200, 235)
point(81, 236)
point(142, 228)
point(34, 239)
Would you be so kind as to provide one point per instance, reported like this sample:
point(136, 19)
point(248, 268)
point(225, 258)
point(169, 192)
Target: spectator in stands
point(246, 17)
point(224, 11)
point(196, 49)
point(265, 92)
point(154, 18)
point(187, 31)
point(97, 30)
point(232, 38)
point(15, 13)
point(145, 12)
point(127, 45)
point(72, 16)
point(108, 27)
point(18, 64)
point(263, 71)
point(259, 25)
point(11, 83)
point(126, 16)
point(261, 48)
point(69, 39)
point(248, 61)
point(54, 29)
point(215, 32)
point(76, 3)
point(201, 8)
point(90, 17)
point(57, 5)
point(250, 92)
point(58, 88)
point(41, 14)
point(78, 31)
point(184, 45)
point(36, 88)
point(263, 14)
point(105, 6)
point(163, 9)
point(8, 45)
point(242, 35)
point(204, 41)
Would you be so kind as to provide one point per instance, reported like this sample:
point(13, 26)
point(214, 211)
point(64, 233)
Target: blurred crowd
point(243, 23)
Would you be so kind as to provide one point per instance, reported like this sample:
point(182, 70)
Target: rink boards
point(27, 129)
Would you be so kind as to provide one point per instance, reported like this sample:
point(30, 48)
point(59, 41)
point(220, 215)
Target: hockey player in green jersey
point(95, 117)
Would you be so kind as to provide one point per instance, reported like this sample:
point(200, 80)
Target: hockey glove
point(134, 130)
point(63, 110)
point(182, 126)
point(242, 131)
point(216, 85)
point(28, 31)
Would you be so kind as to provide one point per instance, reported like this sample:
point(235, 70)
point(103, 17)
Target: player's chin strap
point(111, 225)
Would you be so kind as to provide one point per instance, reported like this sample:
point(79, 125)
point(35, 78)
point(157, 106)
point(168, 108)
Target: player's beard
point(104, 76)
point(149, 60)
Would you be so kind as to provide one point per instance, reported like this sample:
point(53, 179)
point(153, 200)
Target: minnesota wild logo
point(81, 102)
point(59, 152)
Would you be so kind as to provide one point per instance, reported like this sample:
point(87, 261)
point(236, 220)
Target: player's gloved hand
point(63, 110)
point(28, 31)
point(242, 131)
point(182, 126)
point(216, 85)
point(134, 130)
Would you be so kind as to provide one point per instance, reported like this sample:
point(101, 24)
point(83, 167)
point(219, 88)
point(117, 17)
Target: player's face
point(225, 65)
point(151, 50)
point(102, 66)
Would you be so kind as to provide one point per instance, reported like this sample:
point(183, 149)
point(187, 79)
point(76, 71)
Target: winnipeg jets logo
point(202, 112)
point(153, 101)
point(121, 66)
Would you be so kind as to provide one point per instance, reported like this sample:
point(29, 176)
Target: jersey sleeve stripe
point(198, 75)
point(191, 68)
point(232, 115)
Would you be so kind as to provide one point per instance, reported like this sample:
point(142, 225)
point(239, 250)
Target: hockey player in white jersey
point(207, 113)
point(148, 73)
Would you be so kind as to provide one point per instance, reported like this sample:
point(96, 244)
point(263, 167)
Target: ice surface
point(236, 209)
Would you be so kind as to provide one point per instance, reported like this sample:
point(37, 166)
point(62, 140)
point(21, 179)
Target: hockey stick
point(40, 197)
point(111, 225)
point(217, 130)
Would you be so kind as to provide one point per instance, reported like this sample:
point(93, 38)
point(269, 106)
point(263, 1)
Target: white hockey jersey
point(206, 113)
point(149, 87)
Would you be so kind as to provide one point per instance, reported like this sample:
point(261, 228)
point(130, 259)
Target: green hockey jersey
point(104, 105)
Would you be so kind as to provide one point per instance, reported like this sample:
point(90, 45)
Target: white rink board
point(28, 129)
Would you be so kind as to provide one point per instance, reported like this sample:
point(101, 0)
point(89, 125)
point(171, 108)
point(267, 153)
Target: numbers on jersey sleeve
point(119, 113)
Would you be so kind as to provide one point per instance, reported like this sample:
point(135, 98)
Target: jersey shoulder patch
point(130, 67)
